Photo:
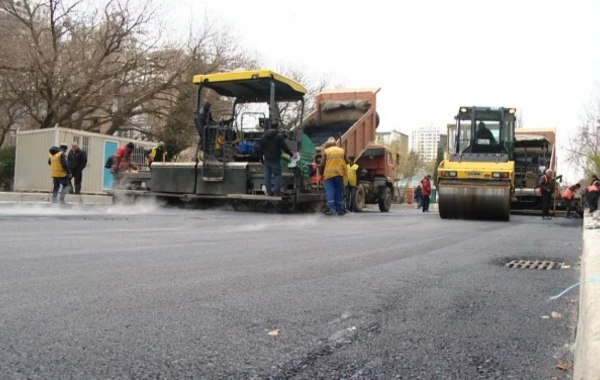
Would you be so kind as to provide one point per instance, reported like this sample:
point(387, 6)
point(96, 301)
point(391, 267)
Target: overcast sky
point(431, 57)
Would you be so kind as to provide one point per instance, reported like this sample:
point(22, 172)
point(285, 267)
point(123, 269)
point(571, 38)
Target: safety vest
point(56, 168)
point(335, 165)
point(568, 193)
point(153, 154)
point(352, 175)
point(591, 189)
point(315, 178)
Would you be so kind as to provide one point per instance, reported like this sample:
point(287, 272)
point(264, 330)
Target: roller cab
point(476, 178)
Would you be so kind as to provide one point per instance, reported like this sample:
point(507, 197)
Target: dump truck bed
point(348, 115)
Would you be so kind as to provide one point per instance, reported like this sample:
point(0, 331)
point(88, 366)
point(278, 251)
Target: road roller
point(476, 178)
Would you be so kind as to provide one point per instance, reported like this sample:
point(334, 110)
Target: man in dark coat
point(272, 144)
point(77, 160)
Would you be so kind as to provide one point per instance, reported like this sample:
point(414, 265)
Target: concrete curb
point(397, 206)
point(587, 343)
point(45, 198)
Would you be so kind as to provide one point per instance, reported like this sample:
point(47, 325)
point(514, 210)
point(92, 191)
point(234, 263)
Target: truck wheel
point(359, 201)
point(385, 203)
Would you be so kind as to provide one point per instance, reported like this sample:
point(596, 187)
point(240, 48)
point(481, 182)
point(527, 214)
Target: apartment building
point(425, 140)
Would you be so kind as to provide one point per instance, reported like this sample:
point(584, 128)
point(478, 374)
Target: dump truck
point(535, 151)
point(476, 178)
point(226, 166)
point(350, 116)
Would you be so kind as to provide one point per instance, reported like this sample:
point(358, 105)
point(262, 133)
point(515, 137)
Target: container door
point(110, 147)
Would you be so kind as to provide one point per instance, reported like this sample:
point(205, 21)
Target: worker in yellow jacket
point(157, 154)
point(335, 174)
point(60, 173)
point(351, 184)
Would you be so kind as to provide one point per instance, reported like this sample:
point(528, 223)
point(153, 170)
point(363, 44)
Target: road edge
point(587, 341)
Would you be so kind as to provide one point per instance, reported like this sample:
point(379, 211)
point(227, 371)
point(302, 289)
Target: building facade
point(425, 141)
point(387, 138)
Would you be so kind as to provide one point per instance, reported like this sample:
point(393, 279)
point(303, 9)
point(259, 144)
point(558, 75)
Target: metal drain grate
point(534, 264)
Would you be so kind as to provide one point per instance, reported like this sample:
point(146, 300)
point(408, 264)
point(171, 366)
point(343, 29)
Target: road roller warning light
point(476, 178)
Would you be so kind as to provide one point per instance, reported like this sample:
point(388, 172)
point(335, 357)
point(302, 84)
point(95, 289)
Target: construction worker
point(60, 173)
point(592, 194)
point(271, 146)
point(335, 173)
point(77, 160)
point(568, 196)
point(122, 162)
point(426, 191)
point(546, 185)
point(351, 184)
point(157, 154)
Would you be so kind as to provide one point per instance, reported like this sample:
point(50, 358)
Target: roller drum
point(474, 200)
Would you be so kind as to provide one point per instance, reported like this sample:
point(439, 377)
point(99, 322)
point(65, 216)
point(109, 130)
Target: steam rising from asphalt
point(141, 207)
point(282, 222)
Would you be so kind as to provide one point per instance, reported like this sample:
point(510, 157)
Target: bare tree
point(11, 111)
point(584, 145)
point(406, 168)
point(410, 165)
point(290, 113)
point(104, 68)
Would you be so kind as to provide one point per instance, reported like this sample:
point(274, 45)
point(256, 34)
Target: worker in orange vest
point(568, 196)
point(592, 194)
point(546, 186)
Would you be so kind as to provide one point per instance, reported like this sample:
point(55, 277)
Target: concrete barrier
point(15, 197)
point(587, 342)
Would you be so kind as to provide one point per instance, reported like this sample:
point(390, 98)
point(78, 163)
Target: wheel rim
point(360, 198)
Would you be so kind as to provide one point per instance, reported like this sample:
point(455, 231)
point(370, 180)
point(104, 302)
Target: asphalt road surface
point(140, 293)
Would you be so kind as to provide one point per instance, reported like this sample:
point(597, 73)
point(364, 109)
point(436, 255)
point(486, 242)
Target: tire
point(359, 201)
point(385, 203)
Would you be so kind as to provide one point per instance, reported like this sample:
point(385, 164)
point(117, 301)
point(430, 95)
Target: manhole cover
point(534, 264)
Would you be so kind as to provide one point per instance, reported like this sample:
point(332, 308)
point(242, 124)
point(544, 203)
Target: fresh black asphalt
point(146, 293)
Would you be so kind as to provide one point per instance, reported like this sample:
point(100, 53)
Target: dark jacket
point(77, 160)
point(546, 184)
point(418, 193)
point(272, 144)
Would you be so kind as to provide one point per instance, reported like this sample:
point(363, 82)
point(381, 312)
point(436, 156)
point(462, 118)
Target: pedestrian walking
point(426, 191)
point(335, 173)
point(418, 196)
